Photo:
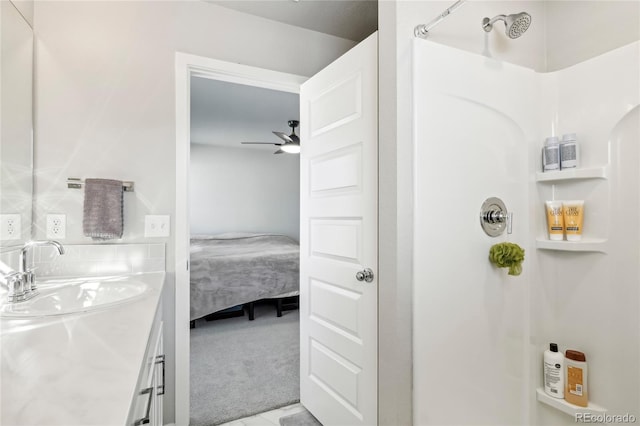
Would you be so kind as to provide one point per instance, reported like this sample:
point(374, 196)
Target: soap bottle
point(569, 152)
point(575, 390)
point(554, 372)
point(551, 154)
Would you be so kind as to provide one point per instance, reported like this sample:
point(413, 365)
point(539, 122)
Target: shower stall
point(479, 123)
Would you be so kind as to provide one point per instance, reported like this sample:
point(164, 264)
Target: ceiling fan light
point(291, 148)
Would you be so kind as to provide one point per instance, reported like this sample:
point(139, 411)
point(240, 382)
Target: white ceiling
point(350, 19)
point(225, 114)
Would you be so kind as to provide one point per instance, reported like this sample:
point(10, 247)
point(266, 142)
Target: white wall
point(105, 102)
point(579, 30)
point(243, 190)
point(105, 92)
point(395, 235)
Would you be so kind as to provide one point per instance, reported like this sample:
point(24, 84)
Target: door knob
point(365, 275)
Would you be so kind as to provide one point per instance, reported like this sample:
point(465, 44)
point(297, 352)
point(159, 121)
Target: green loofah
point(507, 255)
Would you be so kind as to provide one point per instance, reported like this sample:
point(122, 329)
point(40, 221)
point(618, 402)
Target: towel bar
point(76, 183)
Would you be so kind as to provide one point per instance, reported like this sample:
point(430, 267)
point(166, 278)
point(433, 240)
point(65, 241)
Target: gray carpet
point(303, 418)
point(240, 368)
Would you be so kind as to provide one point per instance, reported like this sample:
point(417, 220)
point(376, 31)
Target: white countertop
point(76, 369)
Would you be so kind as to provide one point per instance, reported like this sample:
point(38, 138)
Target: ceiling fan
point(290, 144)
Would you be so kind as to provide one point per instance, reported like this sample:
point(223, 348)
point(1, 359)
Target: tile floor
point(269, 418)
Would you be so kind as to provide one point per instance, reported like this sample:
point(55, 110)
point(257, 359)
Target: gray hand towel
point(102, 209)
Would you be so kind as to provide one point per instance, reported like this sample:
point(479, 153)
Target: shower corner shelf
point(573, 174)
point(584, 245)
point(567, 408)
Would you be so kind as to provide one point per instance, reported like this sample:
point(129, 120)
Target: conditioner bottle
point(569, 153)
point(554, 372)
point(575, 390)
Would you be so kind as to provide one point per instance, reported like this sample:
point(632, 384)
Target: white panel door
point(339, 238)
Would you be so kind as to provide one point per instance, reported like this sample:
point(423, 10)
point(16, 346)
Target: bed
point(233, 269)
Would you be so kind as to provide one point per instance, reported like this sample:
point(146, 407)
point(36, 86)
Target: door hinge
point(187, 265)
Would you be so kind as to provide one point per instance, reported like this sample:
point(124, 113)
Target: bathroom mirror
point(16, 126)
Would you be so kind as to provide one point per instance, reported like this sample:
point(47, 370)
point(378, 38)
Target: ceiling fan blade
point(280, 151)
point(283, 136)
point(262, 143)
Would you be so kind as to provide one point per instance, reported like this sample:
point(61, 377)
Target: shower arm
point(422, 30)
point(487, 24)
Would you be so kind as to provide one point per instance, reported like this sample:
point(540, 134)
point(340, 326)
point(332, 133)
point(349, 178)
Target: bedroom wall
point(243, 190)
point(105, 107)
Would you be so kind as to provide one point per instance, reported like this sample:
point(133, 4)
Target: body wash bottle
point(575, 390)
point(554, 372)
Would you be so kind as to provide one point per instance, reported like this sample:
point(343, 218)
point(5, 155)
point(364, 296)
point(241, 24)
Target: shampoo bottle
point(575, 390)
point(551, 154)
point(554, 372)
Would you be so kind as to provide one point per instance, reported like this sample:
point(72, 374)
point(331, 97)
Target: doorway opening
point(244, 251)
point(191, 70)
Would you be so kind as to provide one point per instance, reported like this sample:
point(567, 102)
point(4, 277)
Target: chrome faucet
point(22, 284)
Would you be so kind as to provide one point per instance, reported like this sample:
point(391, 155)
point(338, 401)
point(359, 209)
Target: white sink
point(68, 296)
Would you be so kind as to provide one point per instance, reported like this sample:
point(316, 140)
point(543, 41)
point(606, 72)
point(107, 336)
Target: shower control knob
point(494, 217)
point(365, 275)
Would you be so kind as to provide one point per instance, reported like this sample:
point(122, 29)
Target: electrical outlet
point(10, 227)
point(56, 226)
point(157, 225)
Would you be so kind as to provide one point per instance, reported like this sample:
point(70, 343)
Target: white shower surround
point(479, 334)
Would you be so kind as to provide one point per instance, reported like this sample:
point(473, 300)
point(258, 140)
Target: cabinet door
point(158, 382)
point(148, 405)
point(145, 398)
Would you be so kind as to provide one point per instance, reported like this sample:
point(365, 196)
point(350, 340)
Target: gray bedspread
point(231, 269)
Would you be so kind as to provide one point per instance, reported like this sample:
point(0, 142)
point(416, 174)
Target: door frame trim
point(187, 66)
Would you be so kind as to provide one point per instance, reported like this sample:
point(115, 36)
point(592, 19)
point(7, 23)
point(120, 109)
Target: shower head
point(515, 25)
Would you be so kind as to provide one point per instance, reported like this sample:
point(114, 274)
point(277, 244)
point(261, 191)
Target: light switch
point(157, 225)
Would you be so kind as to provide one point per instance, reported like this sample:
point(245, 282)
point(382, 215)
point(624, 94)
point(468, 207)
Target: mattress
point(232, 269)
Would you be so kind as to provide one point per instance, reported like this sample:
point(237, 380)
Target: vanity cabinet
point(146, 408)
point(90, 367)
